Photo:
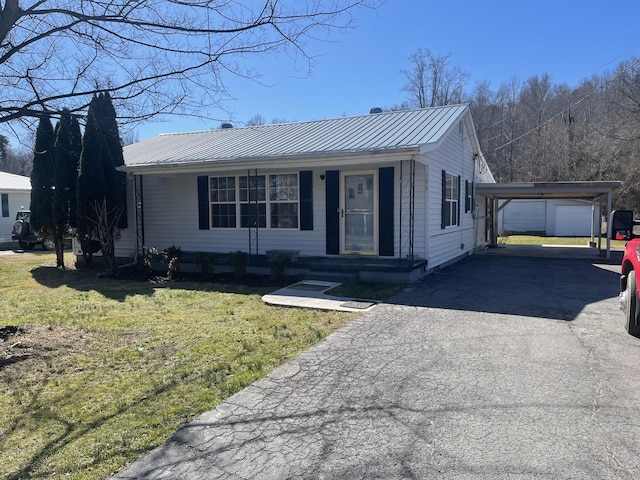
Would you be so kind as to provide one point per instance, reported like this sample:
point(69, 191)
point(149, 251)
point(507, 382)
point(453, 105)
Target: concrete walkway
point(312, 294)
point(492, 368)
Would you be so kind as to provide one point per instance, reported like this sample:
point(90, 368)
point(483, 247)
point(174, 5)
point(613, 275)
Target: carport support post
point(494, 222)
point(608, 216)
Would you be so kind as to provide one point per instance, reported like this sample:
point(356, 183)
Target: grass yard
point(542, 240)
point(94, 372)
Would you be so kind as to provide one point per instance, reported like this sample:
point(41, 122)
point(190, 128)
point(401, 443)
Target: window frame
point(276, 204)
point(451, 200)
point(4, 200)
point(222, 203)
point(268, 201)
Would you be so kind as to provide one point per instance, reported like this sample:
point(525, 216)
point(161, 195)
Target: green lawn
point(542, 240)
point(108, 369)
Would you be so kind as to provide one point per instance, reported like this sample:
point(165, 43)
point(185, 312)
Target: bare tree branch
point(154, 56)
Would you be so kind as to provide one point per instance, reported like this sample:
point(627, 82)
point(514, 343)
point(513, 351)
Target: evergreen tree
point(73, 166)
point(117, 181)
point(101, 188)
point(4, 160)
point(41, 178)
point(91, 182)
point(65, 175)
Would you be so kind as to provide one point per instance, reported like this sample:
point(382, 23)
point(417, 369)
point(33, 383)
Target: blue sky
point(493, 40)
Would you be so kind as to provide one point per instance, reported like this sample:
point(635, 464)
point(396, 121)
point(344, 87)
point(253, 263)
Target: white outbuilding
point(15, 194)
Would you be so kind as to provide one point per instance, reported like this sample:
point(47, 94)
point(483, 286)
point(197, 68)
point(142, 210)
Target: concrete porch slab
point(311, 294)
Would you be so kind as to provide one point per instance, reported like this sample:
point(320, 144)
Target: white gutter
point(319, 159)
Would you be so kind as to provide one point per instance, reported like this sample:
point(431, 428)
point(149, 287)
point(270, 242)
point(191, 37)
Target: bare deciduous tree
point(432, 81)
point(153, 56)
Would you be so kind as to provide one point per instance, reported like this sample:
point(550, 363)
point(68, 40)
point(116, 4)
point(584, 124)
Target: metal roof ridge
point(303, 122)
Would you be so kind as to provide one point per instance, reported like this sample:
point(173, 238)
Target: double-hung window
point(450, 199)
point(283, 197)
point(223, 202)
point(243, 201)
point(253, 201)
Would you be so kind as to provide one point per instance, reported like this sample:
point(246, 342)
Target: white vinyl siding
point(454, 156)
point(171, 218)
point(15, 201)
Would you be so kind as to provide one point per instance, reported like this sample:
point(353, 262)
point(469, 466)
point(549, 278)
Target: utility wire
point(566, 110)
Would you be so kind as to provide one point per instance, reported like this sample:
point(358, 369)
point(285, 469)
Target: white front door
point(358, 206)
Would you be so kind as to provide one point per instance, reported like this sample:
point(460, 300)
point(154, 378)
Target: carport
point(596, 192)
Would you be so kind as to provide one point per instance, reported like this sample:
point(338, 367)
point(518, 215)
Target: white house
point(15, 193)
point(393, 190)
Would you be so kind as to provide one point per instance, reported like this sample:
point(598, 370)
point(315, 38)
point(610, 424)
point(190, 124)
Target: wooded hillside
point(540, 131)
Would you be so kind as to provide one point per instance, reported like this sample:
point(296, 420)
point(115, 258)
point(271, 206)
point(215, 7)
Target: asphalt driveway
point(492, 368)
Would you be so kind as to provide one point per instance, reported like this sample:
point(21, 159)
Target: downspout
point(473, 205)
point(138, 197)
point(400, 199)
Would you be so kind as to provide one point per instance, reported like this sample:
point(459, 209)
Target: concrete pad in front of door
point(311, 294)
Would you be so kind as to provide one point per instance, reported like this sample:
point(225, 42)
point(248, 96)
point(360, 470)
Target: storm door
point(359, 227)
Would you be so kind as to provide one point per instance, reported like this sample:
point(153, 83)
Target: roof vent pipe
point(226, 125)
point(375, 110)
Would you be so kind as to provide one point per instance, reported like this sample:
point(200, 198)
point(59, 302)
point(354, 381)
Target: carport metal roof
point(593, 191)
point(564, 190)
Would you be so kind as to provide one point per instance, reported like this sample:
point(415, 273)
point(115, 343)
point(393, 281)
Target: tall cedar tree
point(117, 193)
point(42, 178)
point(4, 160)
point(65, 174)
point(98, 179)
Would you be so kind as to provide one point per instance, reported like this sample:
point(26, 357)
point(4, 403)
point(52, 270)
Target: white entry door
point(358, 206)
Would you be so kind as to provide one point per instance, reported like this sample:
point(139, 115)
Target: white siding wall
point(456, 157)
point(523, 216)
point(171, 217)
point(126, 246)
point(420, 212)
point(17, 201)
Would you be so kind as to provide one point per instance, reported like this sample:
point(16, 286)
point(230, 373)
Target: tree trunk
point(59, 247)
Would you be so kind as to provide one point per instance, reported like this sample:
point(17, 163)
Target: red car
point(622, 229)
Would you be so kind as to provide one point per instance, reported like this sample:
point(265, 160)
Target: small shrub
point(171, 258)
point(239, 263)
point(278, 264)
point(206, 262)
point(150, 257)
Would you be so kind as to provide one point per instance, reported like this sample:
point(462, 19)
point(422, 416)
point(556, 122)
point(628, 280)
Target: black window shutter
point(332, 191)
point(458, 222)
point(203, 202)
point(467, 197)
point(473, 196)
point(5, 204)
point(385, 205)
point(443, 216)
point(306, 200)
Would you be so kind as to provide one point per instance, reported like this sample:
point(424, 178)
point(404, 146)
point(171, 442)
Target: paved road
point(492, 368)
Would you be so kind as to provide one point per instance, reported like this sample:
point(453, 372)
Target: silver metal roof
point(9, 181)
point(379, 132)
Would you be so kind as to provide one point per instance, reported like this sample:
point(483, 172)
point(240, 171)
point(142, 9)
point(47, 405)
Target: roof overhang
point(537, 190)
point(324, 159)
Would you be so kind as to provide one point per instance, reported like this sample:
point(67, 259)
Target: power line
point(562, 112)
